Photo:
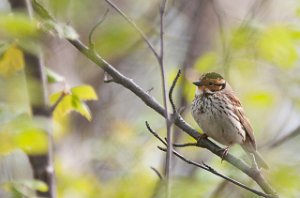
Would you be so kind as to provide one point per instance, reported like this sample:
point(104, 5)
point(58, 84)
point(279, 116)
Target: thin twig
point(160, 59)
point(157, 173)
point(91, 44)
point(61, 97)
point(131, 22)
point(149, 90)
point(185, 145)
point(171, 91)
point(213, 171)
point(168, 164)
point(155, 134)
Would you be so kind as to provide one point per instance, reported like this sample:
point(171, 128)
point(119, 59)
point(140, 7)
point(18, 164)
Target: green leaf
point(277, 46)
point(53, 77)
point(84, 92)
point(18, 26)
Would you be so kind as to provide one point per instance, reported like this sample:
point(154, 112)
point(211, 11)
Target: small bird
point(220, 115)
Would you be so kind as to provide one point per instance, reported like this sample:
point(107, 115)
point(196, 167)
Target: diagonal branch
point(205, 166)
point(160, 59)
point(213, 171)
point(152, 103)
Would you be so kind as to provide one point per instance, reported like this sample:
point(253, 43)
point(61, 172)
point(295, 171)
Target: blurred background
point(254, 44)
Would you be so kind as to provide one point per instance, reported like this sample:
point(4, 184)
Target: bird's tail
point(261, 163)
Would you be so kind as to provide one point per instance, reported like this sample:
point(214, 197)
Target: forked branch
point(152, 103)
point(205, 166)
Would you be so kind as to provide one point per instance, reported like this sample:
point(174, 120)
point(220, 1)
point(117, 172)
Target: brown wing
point(238, 110)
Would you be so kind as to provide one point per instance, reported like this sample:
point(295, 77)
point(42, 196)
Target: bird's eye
point(210, 83)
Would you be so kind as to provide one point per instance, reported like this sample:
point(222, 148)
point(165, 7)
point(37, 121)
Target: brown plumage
point(220, 115)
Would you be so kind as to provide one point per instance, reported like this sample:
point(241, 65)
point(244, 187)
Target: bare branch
point(204, 166)
point(185, 145)
point(152, 103)
point(168, 164)
point(155, 134)
point(213, 171)
point(160, 59)
point(157, 173)
point(171, 91)
point(132, 23)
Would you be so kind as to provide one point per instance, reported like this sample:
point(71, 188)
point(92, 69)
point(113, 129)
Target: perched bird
point(220, 115)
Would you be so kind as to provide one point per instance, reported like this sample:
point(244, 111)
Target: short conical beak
point(198, 83)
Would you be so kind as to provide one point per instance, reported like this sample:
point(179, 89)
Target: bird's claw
point(202, 137)
point(224, 152)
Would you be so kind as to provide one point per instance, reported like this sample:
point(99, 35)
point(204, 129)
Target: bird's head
point(210, 83)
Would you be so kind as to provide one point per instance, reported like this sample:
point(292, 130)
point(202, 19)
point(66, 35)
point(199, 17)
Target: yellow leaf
point(11, 61)
point(84, 92)
point(65, 105)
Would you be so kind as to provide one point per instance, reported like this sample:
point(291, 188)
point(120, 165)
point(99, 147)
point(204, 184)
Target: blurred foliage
point(25, 133)
point(260, 59)
point(115, 38)
point(277, 46)
point(11, 61)
point(286, 180)
point(25, 188)
point(17, 26)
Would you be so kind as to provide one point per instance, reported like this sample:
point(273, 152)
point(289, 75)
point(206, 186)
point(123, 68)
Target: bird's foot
point(224, 152)
point(202, 137)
